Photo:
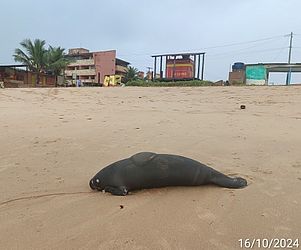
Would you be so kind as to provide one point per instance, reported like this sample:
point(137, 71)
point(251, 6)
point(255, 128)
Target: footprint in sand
point(205, 215)
point(120, 244)
point(53, 141)
point(257, 169)
point(218, 245)
point(274, 191)
point(60, 179)
point(267, 171)
point(296, 165)
point(164, 244)
point(231, 193)
point(282, 230)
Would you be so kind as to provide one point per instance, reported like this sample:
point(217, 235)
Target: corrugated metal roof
point(279, 67)
point(13, 66)
point(181, 54)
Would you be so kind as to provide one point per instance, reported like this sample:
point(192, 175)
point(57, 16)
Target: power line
point(215, 47)
point(246, 52)
point(247, 42)
point(239, 43)
point(279, 53)
point(237, 50)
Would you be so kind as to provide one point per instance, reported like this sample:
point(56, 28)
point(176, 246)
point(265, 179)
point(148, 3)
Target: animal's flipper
point(228, 182)
point(121, 191)
point(142, 158)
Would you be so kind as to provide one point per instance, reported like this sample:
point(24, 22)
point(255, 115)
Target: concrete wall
point(104, 64)
point(83, 62)
point(121, 69)
point(75, 51)
point(237, 77)
point(14, 78)
point(80, 72)
point(255, 82)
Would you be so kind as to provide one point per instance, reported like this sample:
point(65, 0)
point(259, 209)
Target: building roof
point(90, 53)
point(279, 67)
point(120, 61)
point(13, 66)
point(79, 54)
point(79, 48)
point(181, 54)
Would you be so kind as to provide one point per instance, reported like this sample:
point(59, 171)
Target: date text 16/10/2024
point(277, 243)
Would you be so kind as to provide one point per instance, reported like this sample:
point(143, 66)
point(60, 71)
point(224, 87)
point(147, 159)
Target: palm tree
point(34, 55)
point(57, 61)
point(131, 74)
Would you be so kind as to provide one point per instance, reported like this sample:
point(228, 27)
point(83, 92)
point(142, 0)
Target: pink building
point(92, 67)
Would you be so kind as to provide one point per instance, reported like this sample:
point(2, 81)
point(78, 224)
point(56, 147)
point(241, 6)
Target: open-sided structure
point(180, 66)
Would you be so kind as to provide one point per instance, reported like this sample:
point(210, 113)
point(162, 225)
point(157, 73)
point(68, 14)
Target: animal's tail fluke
point(228, 182)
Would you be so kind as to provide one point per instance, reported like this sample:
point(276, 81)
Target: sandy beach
point(54, 140)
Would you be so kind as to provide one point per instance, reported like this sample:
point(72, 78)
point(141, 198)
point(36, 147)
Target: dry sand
point(53, 140)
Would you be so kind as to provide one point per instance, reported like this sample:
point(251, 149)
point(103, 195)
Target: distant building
point(180, 68)
point(238, 74)
point(141, 74)
point(17, 76)
point(149, 75)
point(258, 74)
point(92, 67)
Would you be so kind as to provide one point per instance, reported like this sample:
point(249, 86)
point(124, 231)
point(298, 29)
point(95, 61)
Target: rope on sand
point(40, 196)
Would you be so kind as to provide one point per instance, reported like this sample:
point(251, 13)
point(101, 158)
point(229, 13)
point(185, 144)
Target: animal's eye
point(97, 180)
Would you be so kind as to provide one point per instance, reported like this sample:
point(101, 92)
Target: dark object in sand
point(151, 170)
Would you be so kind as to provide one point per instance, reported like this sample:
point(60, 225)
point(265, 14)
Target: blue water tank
point(238, 66)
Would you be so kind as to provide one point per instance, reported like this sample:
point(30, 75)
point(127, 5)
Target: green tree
point(32, 54)
point(41, 60)
point(57, 61)
point(131, 74)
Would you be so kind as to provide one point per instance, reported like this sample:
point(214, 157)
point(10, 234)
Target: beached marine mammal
point(151, 170)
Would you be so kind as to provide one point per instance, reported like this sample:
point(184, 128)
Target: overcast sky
point(137, 29)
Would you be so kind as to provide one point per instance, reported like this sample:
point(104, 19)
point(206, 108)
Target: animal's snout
point(91, 184)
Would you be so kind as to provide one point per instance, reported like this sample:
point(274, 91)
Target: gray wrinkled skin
point(150, 170)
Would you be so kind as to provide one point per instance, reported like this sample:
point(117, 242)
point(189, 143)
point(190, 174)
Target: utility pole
point(289, 74)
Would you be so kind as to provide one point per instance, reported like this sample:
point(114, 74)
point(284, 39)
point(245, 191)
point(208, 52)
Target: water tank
point(238, 66)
